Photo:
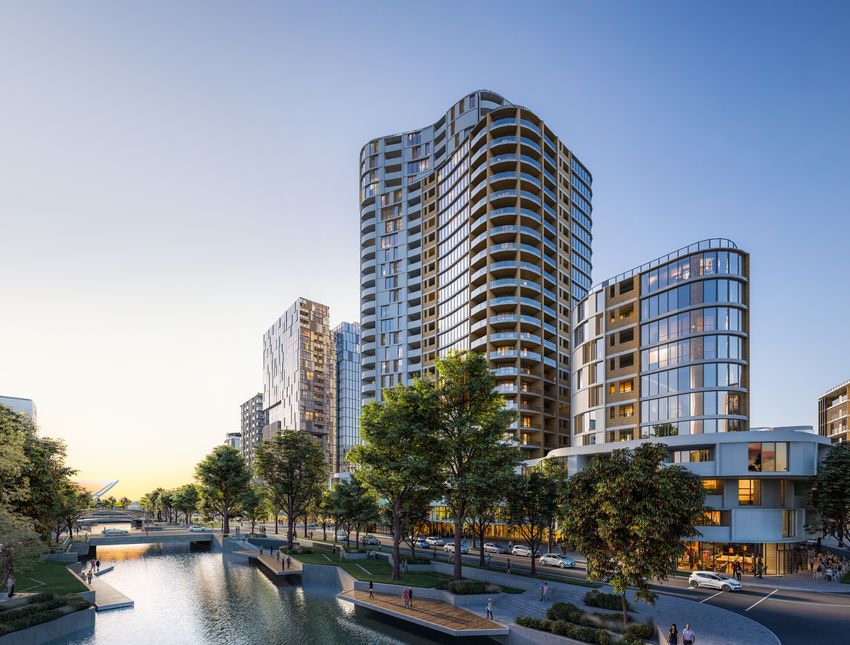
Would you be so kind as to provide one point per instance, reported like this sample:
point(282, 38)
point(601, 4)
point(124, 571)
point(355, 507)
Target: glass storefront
point(777, 559)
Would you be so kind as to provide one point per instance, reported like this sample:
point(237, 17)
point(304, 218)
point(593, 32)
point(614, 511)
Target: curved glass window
point(708, 263)
point(693, 377)
point(695, 404)
point(696, 293)
point(686, 351)
point(691, 322)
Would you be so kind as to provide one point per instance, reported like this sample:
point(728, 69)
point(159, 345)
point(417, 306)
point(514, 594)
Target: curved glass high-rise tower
point(476, 234)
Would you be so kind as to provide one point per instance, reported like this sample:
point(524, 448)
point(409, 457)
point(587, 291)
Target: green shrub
point(39, 609)
point(631, 639)
point(641, 630)
point(467, 587)
point(564, 611)
point(562, 628)
point(528, 621)
point(412, 560)
point(604, 600)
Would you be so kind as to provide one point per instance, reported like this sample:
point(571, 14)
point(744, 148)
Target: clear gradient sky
point(174, 174)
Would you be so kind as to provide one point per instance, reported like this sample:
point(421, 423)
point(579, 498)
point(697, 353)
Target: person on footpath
point(97, 565)
point(546, 591)
point(10, 586)
point(688, 636)
point(405, 596)
point(541, 590)
point(508, 569)
point(673, 635)
point(371, 589)
point(489, 609)
point(89, 576)
point(410, 596)
point(288, 562)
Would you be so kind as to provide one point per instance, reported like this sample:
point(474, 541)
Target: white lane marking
point(364, 569)
point(710, 597)
point(758, 602)
point(326, 558)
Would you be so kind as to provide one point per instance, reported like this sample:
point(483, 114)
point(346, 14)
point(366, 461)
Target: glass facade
point(347, 345)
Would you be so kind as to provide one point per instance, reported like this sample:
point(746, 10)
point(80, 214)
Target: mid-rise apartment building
point(234, 440)
point(21, 406)
point(663, 349)
point(833, 413)
point(347, 354)
point(476, 234)
point(254, 419)
point(298, 374)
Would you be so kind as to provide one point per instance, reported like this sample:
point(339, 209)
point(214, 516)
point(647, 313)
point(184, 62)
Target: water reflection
point(200, 598)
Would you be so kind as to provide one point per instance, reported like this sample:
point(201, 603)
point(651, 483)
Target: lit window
point(749, 492)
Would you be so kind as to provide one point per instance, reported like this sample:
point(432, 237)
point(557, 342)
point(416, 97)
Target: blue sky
point(173, 175)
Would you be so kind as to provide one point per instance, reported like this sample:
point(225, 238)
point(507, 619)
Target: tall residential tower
point(347, 340)
point(298, 374)
point(476, 234)
point(254, 419)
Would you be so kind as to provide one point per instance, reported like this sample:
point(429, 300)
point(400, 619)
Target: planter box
point(527, 636)
point(51, 630)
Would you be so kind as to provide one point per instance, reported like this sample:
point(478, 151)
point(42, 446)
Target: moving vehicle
point(370, 540)
point(114, 532)
point(421, 544)
point(522, 551)
point(197, 528)
point(342, 536)
point(435, 541)
point(712, 580)
point(450, 548)
point(557, 560)
point(489, 547)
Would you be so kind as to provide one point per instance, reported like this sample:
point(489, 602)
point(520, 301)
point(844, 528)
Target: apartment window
point(711, 518)
point(627, 335)
point(627, 361)
point(712, 486)
point(414, 138)
point(749, 492)
point(626, 386)
point(789, 524)
point(767, 457)
point(691, 456)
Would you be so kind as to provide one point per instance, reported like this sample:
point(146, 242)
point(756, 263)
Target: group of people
point(406, 595)
point(94, 567)
point(544, 591)
point(287, 561)
point(688, 636)
point(828, 566)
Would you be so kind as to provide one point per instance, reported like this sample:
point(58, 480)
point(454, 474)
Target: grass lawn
point(54, 576)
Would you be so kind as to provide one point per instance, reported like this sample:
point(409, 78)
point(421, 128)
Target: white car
point(342, 536)
point(114, 532)
point(435, 541)
point(712, 580)
point(197, 528)
point(522, 551)
point(370, 540)
point(489, 547)
point(557, 560)
point(450, 548)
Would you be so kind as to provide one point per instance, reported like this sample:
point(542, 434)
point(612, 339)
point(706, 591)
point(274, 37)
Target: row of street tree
point(38, 500)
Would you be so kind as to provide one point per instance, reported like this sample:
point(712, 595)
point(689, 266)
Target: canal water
point(200, 598)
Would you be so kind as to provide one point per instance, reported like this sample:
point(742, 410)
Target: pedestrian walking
point(508, 569)
point(410, 596)
point(97, 565)
point(288, 562)
point(545, 591)
point(673, 635)
point(10, 585)
point(405, 596)
point(371, 589)
point(489, 609)
point(89, 576)
point(541, 590)
point(688, 636)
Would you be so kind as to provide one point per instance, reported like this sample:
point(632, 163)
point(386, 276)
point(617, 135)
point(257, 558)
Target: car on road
point(435, 541)
point(557, 560)
point(115, 532)
point(197, 528)
point(522, 551)
point(342, 536)
point(450, 548)
point(489, 547)
point(712, 580)
point(421, 544)
point(370, 540)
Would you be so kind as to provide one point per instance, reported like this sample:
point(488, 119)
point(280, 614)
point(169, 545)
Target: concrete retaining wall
point(527, 636)
point(51, 630)
point(67, 558)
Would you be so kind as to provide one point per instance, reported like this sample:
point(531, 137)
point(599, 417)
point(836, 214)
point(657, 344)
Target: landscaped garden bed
point(565, 619)
point(37, 609)
point(470, 587)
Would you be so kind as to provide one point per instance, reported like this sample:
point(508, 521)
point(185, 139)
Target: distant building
point(833, 411)
point(21, 406)
point(254, 419)
point(234, 440)
point(298, 374)
point(347, 340)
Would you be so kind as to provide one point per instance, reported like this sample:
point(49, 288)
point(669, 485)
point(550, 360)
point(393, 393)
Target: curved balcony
point(525, 141)
point(507, 248)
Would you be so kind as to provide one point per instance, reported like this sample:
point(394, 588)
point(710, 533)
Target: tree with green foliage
point(555, 469)
point(355, 507)
point(532, 505)
point(186, 499)
point(322, 510)
point(398, 460)
point(471, 429)
point(292, 464)
point(829, 499)
point(70, 505)
point(20, 543)
point(222, 479)
point(628, 513)
point(253, 505)
point(413, 517)
point(487, 498)
point(124, 502)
